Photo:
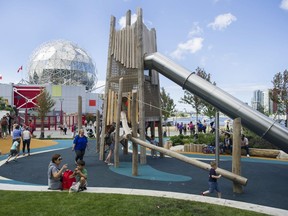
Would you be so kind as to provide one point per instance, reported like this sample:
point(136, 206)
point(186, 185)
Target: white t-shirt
point(26, 135)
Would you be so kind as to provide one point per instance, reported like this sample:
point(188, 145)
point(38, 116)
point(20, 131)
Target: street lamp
point(61, 111)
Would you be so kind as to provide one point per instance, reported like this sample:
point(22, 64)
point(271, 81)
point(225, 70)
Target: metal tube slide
point(226, 103)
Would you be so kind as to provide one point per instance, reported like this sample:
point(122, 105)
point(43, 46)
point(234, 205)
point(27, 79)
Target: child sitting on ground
point(80, 173)
point(14, 150)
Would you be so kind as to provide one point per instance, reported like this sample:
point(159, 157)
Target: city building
point(66, 71)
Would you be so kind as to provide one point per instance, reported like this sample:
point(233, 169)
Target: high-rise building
point(257, 101)
point(268, 103)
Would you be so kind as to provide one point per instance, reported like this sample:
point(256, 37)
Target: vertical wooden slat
point(108, 109)
point(129, 107)
point(134, 133)
point(115, 107)
point(118, 111)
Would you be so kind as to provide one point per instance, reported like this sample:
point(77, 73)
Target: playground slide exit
point(226, 103)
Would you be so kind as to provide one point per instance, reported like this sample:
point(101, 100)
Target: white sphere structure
point(61, 62)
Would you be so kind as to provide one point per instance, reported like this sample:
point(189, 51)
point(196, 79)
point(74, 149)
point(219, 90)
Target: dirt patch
point(5, 144)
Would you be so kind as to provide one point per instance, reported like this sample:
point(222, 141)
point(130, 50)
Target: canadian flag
point(0, 76)
point(19, 69)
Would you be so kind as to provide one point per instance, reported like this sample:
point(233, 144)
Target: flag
point(19, 69)
point(0, 76)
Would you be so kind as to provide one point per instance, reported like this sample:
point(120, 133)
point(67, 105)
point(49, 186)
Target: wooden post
point(236, 153)
point(217, 137)
point(118, 111)
point(79, 112)
point(108, 74)
point(141, 81)
point(97, 131)
point(134, 132)
point(160, 134)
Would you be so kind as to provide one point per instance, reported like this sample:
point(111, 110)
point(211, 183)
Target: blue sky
point(242, 44)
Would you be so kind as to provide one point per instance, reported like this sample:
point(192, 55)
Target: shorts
point(213, 186)
point(13, 152)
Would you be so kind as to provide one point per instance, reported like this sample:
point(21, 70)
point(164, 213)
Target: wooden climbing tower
point(127, 48)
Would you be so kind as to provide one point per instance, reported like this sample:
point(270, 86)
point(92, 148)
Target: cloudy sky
point(242, 44)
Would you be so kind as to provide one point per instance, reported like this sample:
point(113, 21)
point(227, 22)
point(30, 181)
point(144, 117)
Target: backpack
point(66, 180)
point(4, 122)
point(108, 139)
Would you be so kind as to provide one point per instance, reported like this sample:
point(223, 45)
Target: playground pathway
point(167, 177)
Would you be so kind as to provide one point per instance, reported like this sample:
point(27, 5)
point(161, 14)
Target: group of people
point(55, 173)
point(6, 125)
point(228, 144)
point(79, 146)
point(19, 134)
point(201, 127)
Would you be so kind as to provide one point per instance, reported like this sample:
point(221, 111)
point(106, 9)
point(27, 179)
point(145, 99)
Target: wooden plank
point(118, 112)
point(134, 133)
point(129, 107)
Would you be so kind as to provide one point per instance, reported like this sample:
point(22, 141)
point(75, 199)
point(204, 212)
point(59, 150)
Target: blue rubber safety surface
point(267, 179)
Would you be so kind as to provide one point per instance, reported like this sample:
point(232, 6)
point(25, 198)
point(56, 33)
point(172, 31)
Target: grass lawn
point(63, 203)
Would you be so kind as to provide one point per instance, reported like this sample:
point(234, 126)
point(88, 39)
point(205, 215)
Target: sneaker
point(248, 155)
point(23, 154)
point(6, 162)
point(110, 164)
point(202, 194)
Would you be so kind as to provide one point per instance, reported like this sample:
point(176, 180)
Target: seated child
point(14, 150)
point(80, 173)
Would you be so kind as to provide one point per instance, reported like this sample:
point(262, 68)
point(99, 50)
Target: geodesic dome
point(61, 63)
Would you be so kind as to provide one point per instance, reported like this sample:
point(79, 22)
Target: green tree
point(167, 104)
point(45, 104)
point(279, 93)
point(196, 102)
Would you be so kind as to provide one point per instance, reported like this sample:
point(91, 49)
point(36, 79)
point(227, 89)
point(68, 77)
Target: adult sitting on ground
point(245, 144)
point(55, 172)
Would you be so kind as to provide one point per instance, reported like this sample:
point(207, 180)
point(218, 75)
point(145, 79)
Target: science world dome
point(61, 62)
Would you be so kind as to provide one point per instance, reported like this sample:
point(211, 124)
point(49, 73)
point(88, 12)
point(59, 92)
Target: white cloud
point(196, 30)
point(284, 4)
point(191, 46)
point(222, 21)
point(122, 20)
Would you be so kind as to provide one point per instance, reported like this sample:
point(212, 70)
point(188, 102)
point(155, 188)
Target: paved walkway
point(166, 177)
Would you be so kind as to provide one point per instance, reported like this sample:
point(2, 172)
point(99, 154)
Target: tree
point(197, 103)
point(45, 104)
point(279, 93)
point(167, 104)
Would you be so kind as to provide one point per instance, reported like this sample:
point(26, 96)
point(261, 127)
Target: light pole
point(61, 111)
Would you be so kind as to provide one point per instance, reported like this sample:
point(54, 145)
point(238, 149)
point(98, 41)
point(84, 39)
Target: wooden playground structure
point(132, 96)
